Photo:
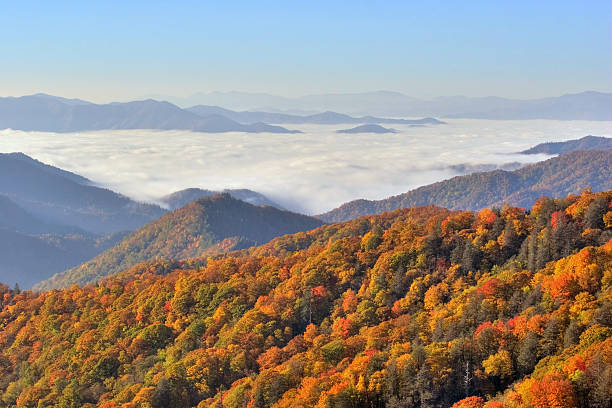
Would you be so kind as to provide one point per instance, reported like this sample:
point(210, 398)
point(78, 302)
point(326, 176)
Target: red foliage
point(558, 217)
point(319, 291)
point(469, 402)
point(552, 391)
point(490, 288)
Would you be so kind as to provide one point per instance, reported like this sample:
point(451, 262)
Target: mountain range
point(55, 219)
point(588, 105)
point(559, 176)
point(46, 210)
point(324, 118)
point(208, 225)
point(48, 113)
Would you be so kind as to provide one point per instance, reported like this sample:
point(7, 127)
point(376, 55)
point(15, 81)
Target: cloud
point(310, 172)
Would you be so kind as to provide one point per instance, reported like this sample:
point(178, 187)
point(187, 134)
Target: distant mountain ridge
point(567, 174)
point(589, 105)
point(208, 225)
point(181, 198)
point(49, 113)
point(585, 143)
point(324, 118)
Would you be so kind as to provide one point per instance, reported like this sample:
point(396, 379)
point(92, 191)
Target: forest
point(419, 307)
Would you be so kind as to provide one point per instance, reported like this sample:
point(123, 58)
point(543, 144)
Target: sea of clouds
point(310, 172)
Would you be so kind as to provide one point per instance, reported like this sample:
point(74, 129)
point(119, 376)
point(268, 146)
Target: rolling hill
point(567, 174)
point(208, 225)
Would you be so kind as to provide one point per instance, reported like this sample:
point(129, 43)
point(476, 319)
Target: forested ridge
point(556, 177)
point(420, 307)
point(208, 225)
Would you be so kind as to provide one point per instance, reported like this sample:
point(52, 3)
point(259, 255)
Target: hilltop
point(181, 198)
point(368, 129)
point(206, 226)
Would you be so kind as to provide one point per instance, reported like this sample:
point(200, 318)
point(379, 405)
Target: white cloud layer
point(310, 172)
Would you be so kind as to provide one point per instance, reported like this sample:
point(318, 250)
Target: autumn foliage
point(418, 307)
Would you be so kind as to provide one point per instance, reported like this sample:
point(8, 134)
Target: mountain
point(28, 259)
point(15, 218)
point(29, 161)
point(421, 307)
point(585, 143)
point(207, 225)
point(62, 198)
point(324, 118)
point(367, 129)
point(579, 106)
point(221, 124)
point(181, 198)
point(567, 174)
point(54, 114)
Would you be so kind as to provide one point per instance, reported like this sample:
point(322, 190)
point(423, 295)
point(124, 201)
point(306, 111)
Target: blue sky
point(117, 50)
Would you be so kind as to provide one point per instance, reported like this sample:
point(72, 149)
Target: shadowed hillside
point(208, 225)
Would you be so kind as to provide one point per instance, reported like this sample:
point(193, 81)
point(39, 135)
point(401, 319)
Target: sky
point(120, 50)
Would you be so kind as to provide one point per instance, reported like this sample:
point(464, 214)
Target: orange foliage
point(553, 391)
point(469, 402)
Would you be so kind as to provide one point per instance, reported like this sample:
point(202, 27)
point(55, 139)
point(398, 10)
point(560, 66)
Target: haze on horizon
point(128, 50)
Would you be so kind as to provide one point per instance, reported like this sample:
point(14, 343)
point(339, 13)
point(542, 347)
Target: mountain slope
point(559, 176)
point(29, 259)
point(15, 218)
point(585, 143)
point(60, 197)
point(208, 225)
point(53, 114)
point(421, 307)
point(181, 198)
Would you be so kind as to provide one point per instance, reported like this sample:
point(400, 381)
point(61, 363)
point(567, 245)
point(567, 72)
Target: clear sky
point(117, 50)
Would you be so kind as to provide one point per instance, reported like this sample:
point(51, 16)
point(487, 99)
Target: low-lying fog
point(310, 172)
